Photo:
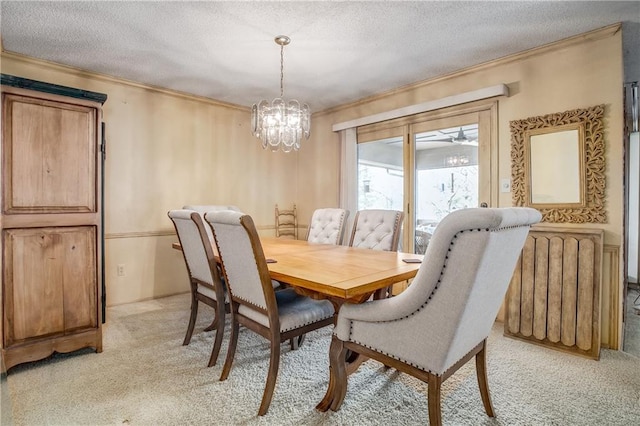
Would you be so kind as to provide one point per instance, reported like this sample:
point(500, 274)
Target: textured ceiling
point(340, 51)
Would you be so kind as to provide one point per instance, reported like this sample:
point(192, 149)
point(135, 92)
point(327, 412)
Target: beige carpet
point(146, 377)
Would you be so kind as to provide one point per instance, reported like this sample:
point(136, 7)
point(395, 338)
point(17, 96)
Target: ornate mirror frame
point(591, 164)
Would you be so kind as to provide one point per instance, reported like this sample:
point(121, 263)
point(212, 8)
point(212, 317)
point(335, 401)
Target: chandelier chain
point(281, 71)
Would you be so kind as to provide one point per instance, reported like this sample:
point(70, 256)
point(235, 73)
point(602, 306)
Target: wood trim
point(457, 99)
point(78, 72)
point(50, 219)
point(42, 348)
point(612, 285)
point(450, 112)
point(55, 89)
point(597, 34)
point(594, 35)
point(160, 233)
point(142, 234)
point(52, 97)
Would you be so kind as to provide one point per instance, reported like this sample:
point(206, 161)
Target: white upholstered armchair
point(444, 318)
point(327, 226)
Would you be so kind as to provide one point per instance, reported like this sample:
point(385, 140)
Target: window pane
point(380, 175)
point(446, 177)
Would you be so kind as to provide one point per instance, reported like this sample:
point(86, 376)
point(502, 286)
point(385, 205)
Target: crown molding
point(597, 34)
point(110, 79)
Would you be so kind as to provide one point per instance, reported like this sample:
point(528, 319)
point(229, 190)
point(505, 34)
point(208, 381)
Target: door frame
point(487, 112)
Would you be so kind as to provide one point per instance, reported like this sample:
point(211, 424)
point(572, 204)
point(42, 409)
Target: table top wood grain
point(338, 271)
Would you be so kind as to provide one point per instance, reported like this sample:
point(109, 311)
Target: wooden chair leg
point(217, 343)
point(433, 397)
point(231, 351)
point(338, 367)
point(483, 384)
point(274, 363)
point(192, 318)
point(297, 341)
point(213, 325)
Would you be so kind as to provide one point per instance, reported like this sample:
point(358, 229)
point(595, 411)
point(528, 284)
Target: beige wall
point(166, 150)
point(577, 73)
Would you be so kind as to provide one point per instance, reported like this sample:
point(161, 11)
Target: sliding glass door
point(445, 174)
point(426, 167)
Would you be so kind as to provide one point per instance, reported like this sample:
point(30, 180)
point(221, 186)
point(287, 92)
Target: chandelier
point(456, 160)
point(281, 124)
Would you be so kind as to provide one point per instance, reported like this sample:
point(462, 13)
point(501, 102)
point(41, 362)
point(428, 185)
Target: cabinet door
point(49, 282)
point(49, 156)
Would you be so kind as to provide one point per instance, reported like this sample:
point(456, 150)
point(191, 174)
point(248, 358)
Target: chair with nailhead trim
point(377, 230)
point(327, 226)
point(444, 318)
point(275, 315)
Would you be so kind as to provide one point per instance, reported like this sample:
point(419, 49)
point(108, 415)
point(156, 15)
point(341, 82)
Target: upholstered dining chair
point(327, 226)
point(204, 276)
point(444, 318)
point(275, 315)
point(377, 230)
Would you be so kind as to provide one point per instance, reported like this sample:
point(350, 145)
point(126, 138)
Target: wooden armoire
point(51, 219)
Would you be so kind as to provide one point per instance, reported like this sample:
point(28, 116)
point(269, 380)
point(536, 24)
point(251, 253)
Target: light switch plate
point(505, 185)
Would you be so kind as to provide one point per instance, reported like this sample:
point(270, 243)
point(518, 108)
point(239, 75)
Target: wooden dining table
point(336, 273)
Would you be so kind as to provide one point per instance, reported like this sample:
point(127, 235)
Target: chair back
point(327, 226)
point(286, 222)
point(243, 262)
point(203, 208)
point(377, 229)
point(196, 246)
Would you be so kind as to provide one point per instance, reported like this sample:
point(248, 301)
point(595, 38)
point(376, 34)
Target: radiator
point(554, 295)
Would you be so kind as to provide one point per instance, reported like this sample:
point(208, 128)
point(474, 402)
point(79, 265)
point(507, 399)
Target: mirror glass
point(555, 160)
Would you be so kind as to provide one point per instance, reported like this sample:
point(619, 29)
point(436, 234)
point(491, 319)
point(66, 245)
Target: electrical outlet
point(121, 272)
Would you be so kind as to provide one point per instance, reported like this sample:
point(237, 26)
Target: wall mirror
point(558, 165)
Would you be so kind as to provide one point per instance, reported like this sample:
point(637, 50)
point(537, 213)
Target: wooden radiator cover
point(554, 295)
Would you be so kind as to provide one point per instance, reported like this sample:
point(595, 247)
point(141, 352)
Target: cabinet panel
point(80, 278)
point(48, 145)
point(50, 281)
point(32, 284)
